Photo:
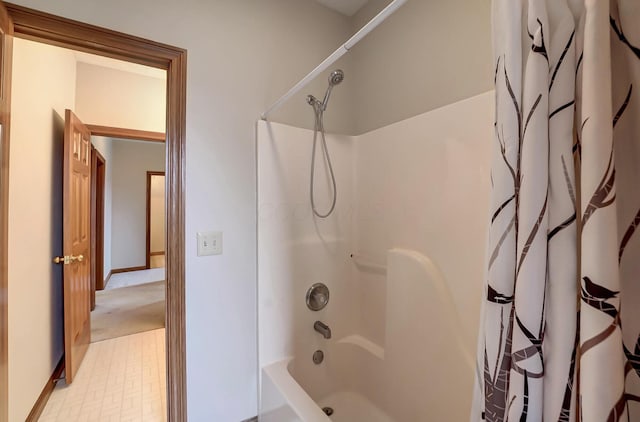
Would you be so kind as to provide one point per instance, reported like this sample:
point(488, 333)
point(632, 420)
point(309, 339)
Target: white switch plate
point(209, 243)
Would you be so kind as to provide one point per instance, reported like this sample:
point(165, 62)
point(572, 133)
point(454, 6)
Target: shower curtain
point(560, 331)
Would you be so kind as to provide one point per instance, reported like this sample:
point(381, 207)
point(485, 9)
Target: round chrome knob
point(317, 296)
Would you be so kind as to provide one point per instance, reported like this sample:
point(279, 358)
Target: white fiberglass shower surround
point(401, 254)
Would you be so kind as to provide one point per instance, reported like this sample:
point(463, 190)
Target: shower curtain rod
point(343, 49)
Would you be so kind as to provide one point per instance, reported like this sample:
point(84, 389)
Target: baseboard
point(106, 279)
point(128, 269)
point(156, 253)
point(37, 409)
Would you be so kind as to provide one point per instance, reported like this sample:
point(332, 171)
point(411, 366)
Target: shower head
point(335, 78)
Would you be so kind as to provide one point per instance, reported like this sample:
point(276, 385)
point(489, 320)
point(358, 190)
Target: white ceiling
point(346, 7)
point(119, 65)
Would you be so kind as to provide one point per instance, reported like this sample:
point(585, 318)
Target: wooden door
point(6, 52)
point(76, 243)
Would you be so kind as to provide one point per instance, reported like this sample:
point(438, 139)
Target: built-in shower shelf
point(368, 265)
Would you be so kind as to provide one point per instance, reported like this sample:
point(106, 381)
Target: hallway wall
point(112, 97)
point(157, 214)
point(40, 95)
point(130, 163)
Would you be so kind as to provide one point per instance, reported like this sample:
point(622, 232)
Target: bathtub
point(424, 371)
point(297, 389)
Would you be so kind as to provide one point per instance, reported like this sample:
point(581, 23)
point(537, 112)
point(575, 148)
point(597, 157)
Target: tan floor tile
point(121, 379)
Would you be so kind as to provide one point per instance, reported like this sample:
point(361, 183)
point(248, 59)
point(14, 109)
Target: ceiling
point(346, 7)
point(119, 65)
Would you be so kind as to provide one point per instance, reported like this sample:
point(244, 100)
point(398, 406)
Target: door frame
point(6, 46)
point(98, 171)
point(148, 231)
point(50, 29)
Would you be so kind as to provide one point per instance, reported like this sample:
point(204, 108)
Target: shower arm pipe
point(342, 50)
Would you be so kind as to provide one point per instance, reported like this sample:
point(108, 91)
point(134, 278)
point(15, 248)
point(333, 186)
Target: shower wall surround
point(420, 188)
point(296, 250)
point(423, 184)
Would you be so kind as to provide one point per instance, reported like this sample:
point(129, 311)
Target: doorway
point(132, 300)
point(50, 29)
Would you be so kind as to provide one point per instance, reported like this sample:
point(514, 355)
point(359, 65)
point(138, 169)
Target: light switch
point(209, 243)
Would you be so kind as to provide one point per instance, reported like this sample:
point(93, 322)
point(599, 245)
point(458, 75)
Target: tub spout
point(323, 329)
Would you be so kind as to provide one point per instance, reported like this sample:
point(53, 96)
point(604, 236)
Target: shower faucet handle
point(317, 296)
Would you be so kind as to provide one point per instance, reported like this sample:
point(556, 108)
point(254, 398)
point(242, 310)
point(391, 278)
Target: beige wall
point(157, 223)
point(39, 99)
point(114, 97)
point(111, 97)
point(131, 161)
point(125, 201)
point(426, 55)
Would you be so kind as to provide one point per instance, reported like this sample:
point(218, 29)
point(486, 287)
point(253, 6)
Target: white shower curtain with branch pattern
point(560, 332)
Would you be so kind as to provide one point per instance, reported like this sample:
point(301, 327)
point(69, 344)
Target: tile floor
point(121, 379)
point(133, 278)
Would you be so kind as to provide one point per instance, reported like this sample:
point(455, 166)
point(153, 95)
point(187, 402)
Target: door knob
point(68, 259)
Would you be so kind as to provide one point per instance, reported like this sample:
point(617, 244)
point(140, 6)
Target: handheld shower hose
point(319, 107)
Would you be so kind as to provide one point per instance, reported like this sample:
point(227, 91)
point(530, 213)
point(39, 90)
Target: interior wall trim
point(127, 269)
point(6, 55)
point(122, 133)
point(40, 404)
point(107, 278)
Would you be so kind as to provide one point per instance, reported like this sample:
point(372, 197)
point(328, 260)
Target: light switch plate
point(209, 243)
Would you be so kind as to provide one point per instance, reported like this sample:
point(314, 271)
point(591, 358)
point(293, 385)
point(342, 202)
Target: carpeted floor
point(133, 278)
point(128, 310)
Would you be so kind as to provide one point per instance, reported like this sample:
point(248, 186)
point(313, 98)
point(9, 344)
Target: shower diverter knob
point(317, 296)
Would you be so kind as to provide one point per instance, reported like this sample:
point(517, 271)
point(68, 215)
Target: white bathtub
point(423, 373)
point(298, 389)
